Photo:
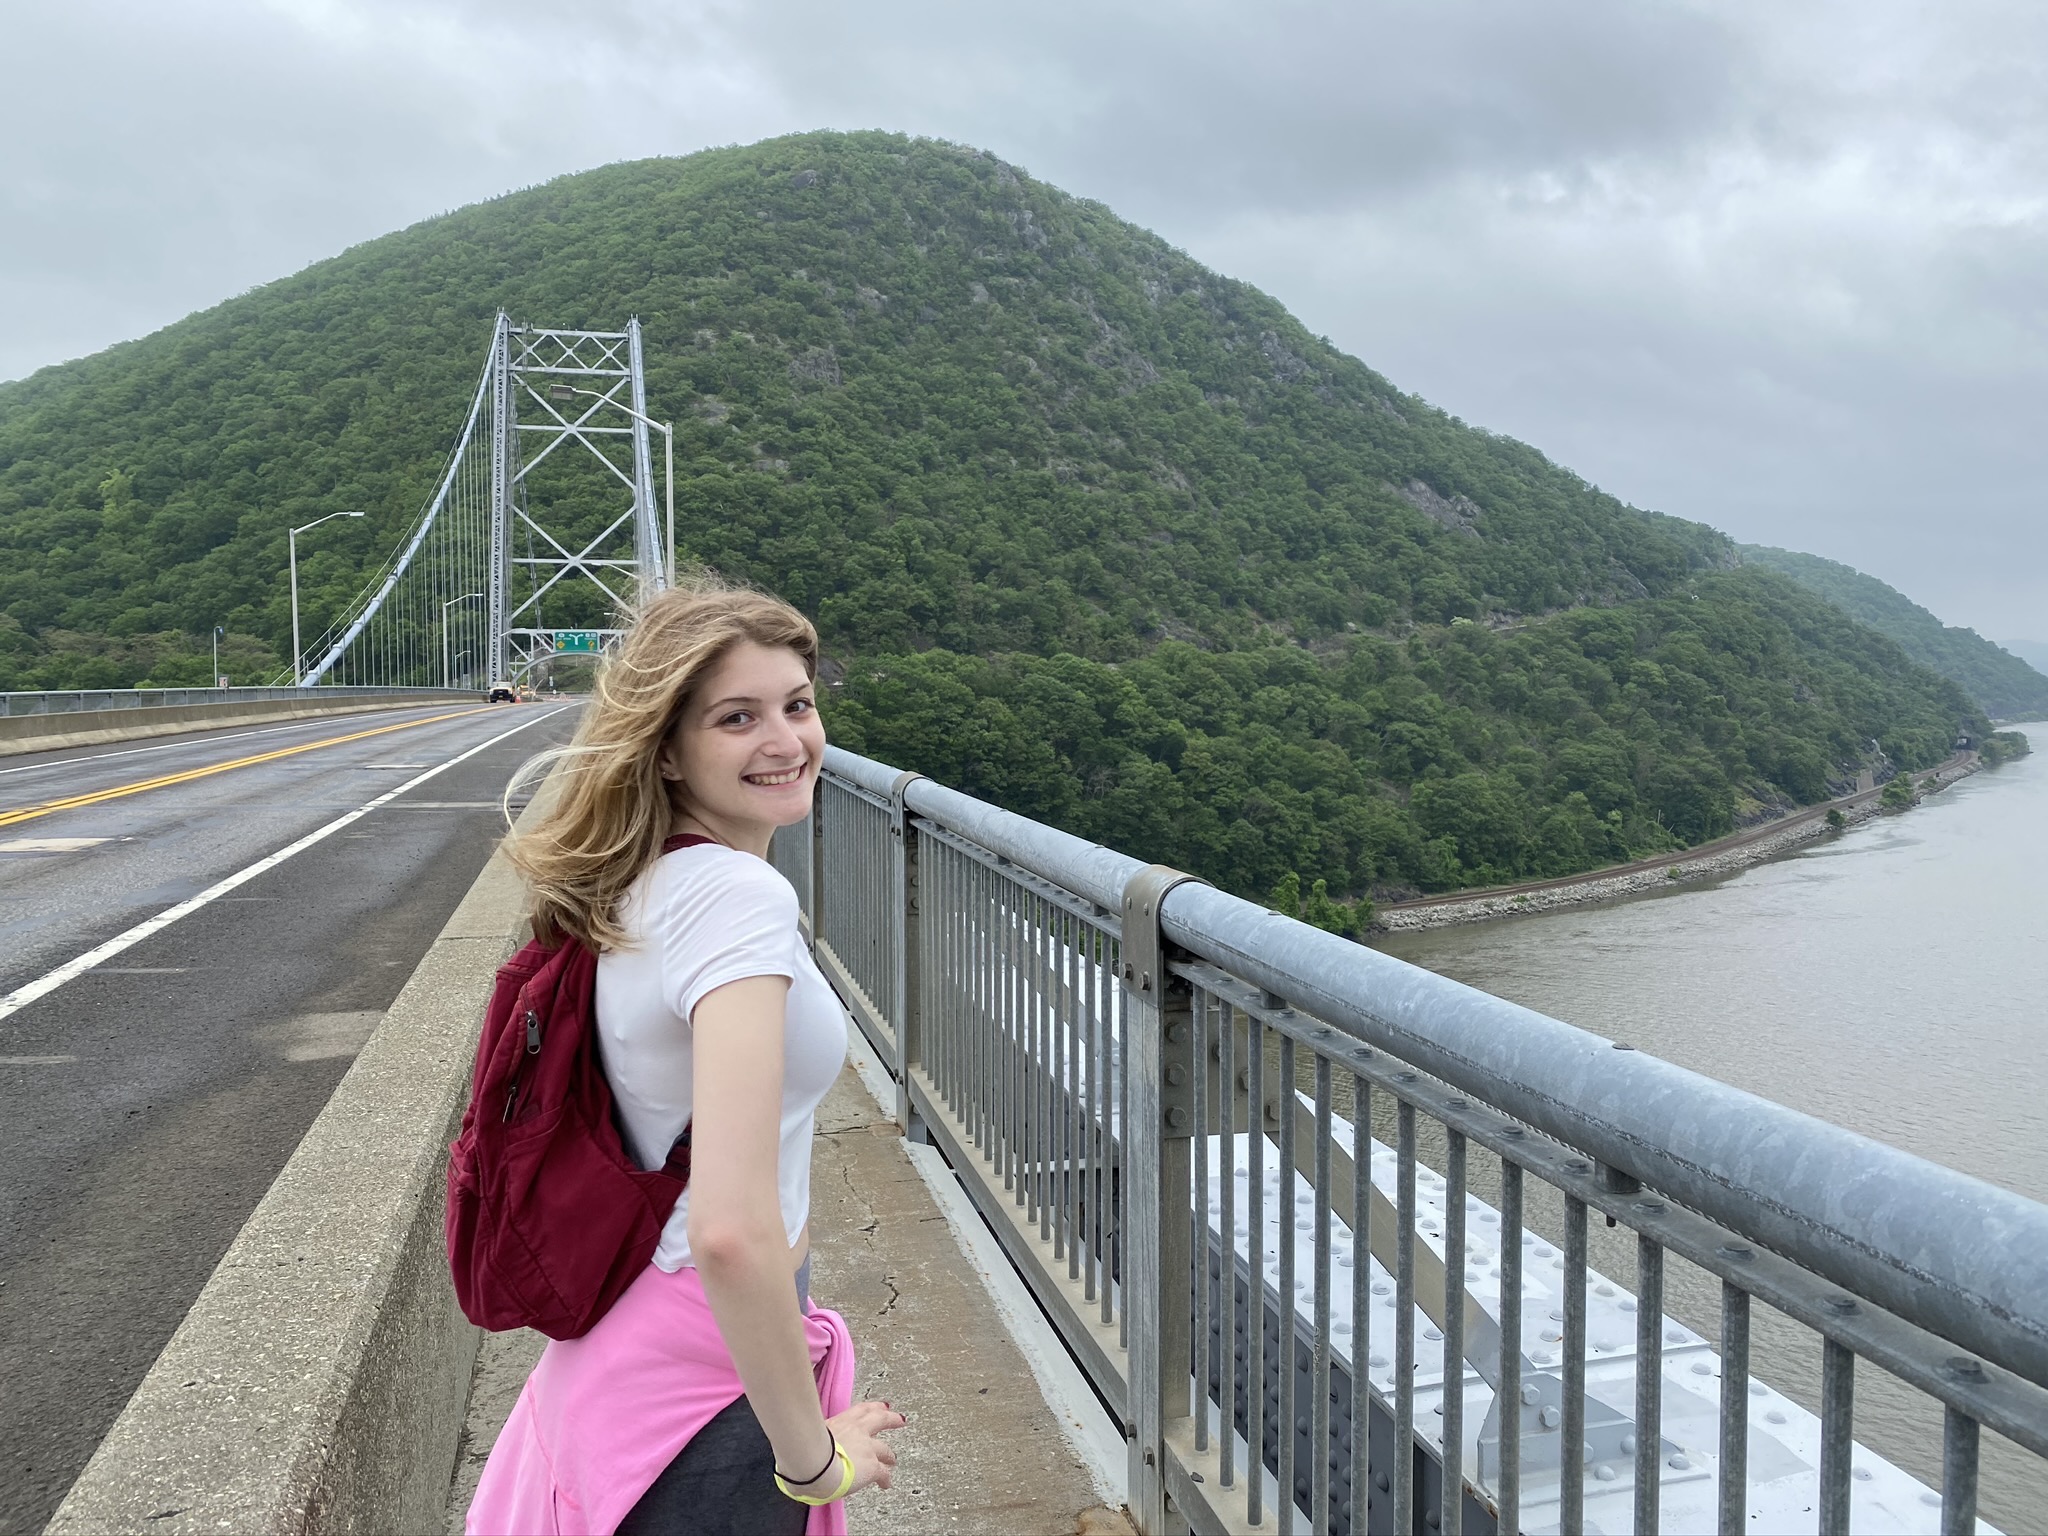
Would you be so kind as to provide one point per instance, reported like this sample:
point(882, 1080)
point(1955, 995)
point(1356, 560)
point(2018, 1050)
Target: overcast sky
point(1779, 267)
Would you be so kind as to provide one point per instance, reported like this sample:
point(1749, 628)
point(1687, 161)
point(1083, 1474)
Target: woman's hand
point(858, 1431)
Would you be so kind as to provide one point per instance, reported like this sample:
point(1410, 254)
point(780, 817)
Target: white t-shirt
point(699, 918)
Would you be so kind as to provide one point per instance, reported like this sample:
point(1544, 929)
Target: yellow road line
point(31, 812)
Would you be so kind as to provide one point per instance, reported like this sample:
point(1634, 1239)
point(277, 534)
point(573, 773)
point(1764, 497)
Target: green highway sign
point(581, 641)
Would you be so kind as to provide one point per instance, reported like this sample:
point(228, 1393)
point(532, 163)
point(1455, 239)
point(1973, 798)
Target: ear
point(668, 758)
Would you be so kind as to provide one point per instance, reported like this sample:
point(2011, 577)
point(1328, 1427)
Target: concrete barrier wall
point(84, 728)
point(319, 1382)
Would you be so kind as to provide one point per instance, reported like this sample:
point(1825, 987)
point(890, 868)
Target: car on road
point(502, 693)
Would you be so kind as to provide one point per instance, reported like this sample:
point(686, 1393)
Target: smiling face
point(747, 747)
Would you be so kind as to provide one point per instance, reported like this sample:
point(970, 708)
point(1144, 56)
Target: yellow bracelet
point(845, 1481)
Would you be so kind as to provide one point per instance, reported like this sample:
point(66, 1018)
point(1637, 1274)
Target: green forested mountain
point(1086, 527)
point(2005, 686)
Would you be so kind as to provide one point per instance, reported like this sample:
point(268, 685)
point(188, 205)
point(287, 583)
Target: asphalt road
point(148, 1101)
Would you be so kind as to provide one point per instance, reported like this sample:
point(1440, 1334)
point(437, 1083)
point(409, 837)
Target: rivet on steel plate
point(1578, 1166)
point(1649, 1207)
point(1512, 1132)
point(1549, 1418)
point(1407, 1077)
point(1176, 1075)
point(1736, 1251)
point(1177, 1033)
point(1963, 1368)
point(1177, 1117)
point(1620, 1047)
point(1841, 1305)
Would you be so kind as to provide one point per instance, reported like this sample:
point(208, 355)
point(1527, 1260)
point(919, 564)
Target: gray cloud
point(1780, 268)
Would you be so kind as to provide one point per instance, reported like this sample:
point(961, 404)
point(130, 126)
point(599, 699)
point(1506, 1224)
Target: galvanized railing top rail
point(67, 700)
point(1165, 1101)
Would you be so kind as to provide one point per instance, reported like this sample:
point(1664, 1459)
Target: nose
point(781, 739)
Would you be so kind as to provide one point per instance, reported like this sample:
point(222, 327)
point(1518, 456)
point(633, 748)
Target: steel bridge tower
point(545, 518)
point(576, 380)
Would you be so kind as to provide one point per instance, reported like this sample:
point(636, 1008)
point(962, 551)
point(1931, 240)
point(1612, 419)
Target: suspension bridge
point(542, 532)
point(1193, 1137)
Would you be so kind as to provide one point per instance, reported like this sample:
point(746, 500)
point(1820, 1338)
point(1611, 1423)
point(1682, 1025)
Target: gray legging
point(722, 1482)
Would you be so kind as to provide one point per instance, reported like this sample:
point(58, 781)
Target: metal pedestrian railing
point(69, 700)
point(1202, 1131)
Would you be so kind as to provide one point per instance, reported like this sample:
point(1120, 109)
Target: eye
point(801, 706)
point(738, 717)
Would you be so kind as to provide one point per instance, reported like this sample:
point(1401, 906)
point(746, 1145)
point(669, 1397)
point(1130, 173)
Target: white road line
point(42, 986)
point(203, 741)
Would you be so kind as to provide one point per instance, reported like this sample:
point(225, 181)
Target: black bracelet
point(829, 1460)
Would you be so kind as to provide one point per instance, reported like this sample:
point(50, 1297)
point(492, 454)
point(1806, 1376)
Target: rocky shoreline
point(1481, 907)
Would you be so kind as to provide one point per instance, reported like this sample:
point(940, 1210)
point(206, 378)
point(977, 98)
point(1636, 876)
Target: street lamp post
point(292, 539)
point(447, 671)
point(460, 657)
point(218, 631)
point(668, 436)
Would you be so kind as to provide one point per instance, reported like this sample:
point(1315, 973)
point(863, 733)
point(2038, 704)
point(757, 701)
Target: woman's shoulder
point(709, 882)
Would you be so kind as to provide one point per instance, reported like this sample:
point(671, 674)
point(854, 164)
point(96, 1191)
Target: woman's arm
point(736, 1233)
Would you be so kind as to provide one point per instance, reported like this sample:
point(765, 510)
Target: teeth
point(789, 777)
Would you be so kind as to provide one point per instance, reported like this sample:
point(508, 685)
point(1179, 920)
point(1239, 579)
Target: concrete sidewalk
point(984, 1452)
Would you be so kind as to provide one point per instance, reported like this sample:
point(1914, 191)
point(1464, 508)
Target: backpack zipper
point(532, 1049)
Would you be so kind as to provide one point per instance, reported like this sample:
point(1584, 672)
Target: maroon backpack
point(549, 1219)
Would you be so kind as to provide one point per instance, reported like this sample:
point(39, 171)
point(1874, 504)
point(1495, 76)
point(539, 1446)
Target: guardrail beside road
point(65, 701)
point(1161, 1098)
point(42, 722)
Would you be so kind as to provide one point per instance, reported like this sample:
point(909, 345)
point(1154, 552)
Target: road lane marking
point(44, 985)
point(198, 739)
point(73, 802)
point(51, 844)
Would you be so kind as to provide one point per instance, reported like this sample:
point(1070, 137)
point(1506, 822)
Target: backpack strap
point(678, 1164)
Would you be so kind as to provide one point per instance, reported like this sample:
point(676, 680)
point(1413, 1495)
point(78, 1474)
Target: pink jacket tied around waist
point(602, 1415)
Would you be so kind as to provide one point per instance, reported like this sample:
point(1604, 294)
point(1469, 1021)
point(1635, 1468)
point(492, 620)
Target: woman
point(699, 1402)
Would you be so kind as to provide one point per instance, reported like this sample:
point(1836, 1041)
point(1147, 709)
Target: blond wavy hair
point(607, 808)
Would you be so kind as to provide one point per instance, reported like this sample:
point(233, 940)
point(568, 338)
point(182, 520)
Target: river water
point(1892, 978)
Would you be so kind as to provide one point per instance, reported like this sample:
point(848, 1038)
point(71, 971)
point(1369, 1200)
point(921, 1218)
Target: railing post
point(1157, 1158)
point(905, 1011)
point(817, 865)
